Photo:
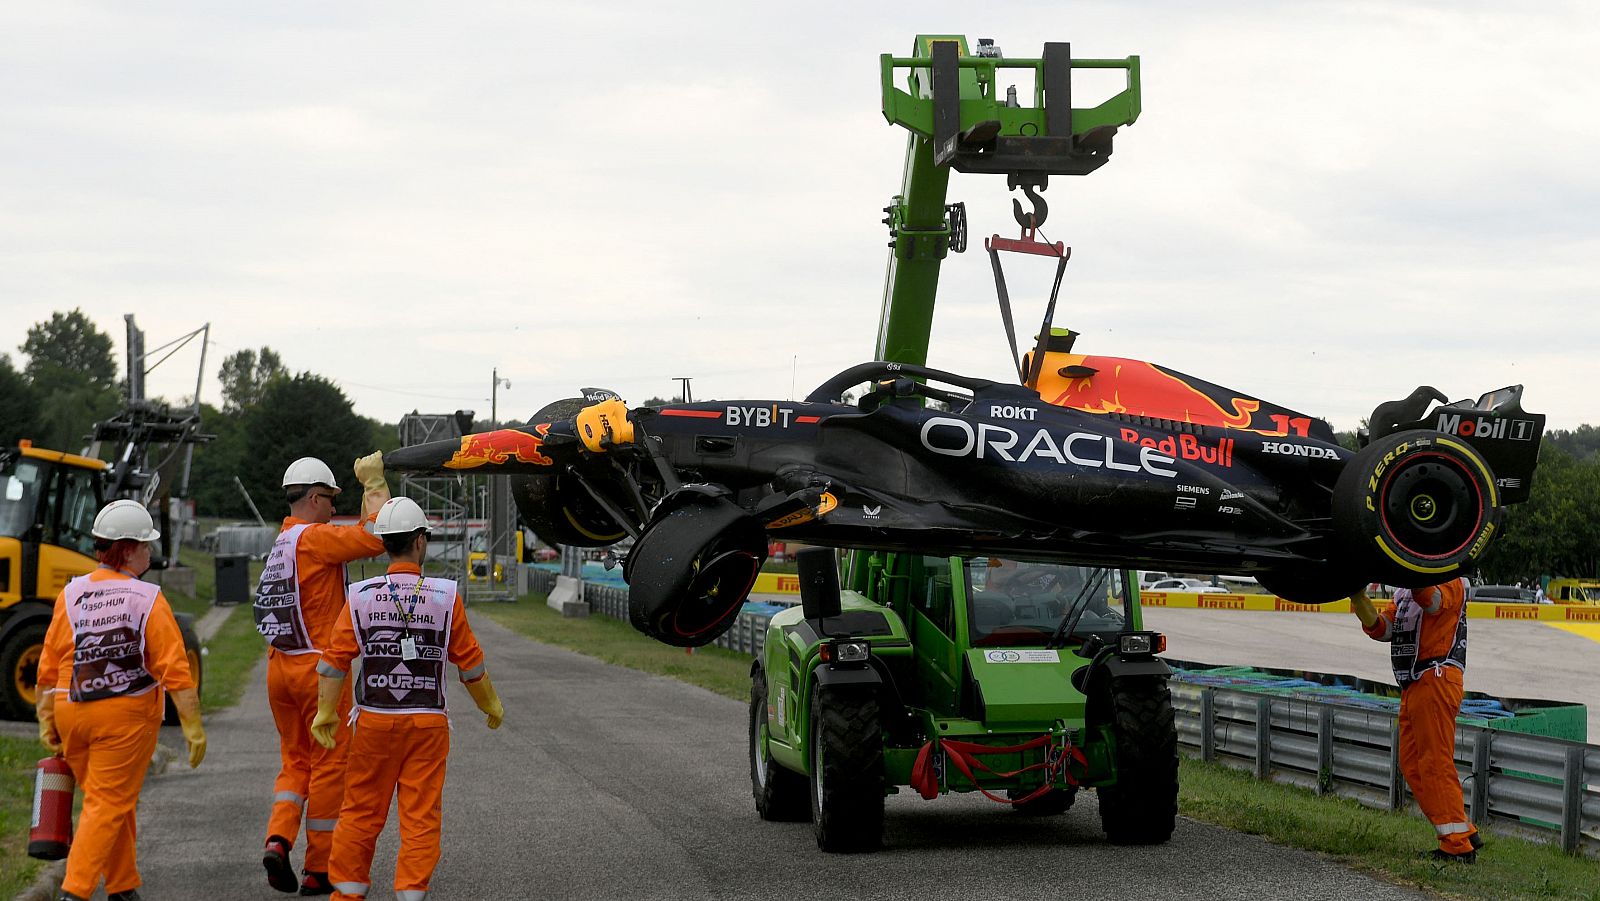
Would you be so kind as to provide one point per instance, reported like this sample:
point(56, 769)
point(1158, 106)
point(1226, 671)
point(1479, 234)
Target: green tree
point(73, 375)
point(69, 343)
point(245, 374)
point(19, 408)
point(216, 463)
point(303, 416)
point(1557, 531)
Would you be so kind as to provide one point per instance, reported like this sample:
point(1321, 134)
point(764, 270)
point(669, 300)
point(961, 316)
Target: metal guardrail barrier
point(1531, 783)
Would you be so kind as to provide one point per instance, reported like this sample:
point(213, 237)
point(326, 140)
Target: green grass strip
point(18, 758)
point(1385, 844)
point(231, 654)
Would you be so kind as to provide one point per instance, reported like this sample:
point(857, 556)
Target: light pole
point(492, 545)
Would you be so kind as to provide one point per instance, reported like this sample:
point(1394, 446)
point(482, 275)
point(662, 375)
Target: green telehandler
point(1026, 681)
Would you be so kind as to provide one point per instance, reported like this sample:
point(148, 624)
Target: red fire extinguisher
point(51, 834)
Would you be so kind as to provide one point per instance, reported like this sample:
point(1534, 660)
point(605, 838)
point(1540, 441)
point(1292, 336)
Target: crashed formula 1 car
point(1110, 462)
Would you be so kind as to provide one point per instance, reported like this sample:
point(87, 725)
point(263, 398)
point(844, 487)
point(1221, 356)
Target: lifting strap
point(963, 755)
point(1029, 244)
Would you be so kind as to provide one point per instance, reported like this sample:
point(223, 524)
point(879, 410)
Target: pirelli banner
point(1558, 613)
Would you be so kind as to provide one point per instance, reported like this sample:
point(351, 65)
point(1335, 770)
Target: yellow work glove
point(1361, 606)
point(369, 472)
point(45, 710)
point(483, 694)
point(187, 702)
point(326, 723)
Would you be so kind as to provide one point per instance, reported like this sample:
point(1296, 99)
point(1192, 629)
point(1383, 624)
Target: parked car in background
point(1193, 586)
point(1147, 579)
point(1506, 594)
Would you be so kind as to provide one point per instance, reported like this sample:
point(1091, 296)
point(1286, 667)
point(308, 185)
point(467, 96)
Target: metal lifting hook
point(1031, 186)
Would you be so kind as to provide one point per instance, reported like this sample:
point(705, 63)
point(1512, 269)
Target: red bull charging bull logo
point(502, 446)
point(1137, 388)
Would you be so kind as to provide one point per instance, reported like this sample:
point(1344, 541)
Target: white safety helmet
point(400, 516)
point(309, 471)
point(124, 519)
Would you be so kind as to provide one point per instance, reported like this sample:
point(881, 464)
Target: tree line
point(270, 416)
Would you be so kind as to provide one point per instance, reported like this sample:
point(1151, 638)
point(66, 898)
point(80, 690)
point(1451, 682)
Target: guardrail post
point(1481, 748)
point(1324, 749)
point(1263, 737)
point(1208, 724)
point(1397, 790)
point(1572, 800)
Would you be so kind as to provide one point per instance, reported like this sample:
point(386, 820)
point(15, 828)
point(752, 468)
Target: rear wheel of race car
point(1416, 508)
point(1141, 807)
point(846, 770)
point(556, 507)
point(690, 571)
point(780, 792)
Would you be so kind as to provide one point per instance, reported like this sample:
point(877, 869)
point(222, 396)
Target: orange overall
point(395, 755)
point(108, 743)
point(312, 776)
point(1428, 709)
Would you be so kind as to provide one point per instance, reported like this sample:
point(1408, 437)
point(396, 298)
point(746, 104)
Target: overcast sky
point(1325, 204)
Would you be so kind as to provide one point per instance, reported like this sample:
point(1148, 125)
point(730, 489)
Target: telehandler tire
point(19, 669)
point(1141, 807)
point(847, 781)
point(780, 792)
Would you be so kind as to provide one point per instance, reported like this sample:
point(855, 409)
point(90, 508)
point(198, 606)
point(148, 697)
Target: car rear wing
point(1495, 425)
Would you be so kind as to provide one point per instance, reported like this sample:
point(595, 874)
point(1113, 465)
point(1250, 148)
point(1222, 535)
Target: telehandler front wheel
point(846, 770)
point(1141, 806)
point(780, 793)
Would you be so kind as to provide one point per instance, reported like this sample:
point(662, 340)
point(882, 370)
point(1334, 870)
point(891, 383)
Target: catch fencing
point(1527, 783)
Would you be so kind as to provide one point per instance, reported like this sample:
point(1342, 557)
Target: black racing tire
point(1054, 802)
point(1141, 806)
point(1314, 583)
point(191, 651)
point(780, 792)
point(556, 507)
point(1416, 508)
point(690, 571)
point(847, 781)
point(19, 671)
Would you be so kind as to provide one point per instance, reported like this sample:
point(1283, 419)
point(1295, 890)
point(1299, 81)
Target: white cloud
point(1325, 203)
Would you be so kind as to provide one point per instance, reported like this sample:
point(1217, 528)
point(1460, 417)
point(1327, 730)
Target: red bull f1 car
point(1110, 462)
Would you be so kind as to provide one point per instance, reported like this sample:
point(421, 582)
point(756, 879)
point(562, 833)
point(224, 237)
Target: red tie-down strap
point(963, 755)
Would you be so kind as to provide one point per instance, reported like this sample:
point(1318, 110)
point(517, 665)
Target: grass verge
point(1382, 843)
point(18, 757)
point(231, 654)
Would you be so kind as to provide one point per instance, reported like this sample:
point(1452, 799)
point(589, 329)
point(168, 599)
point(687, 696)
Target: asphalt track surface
point(609, 783)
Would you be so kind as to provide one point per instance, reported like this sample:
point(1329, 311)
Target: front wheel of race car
point(690, 571)
point(555, 506)
point(1416, 508)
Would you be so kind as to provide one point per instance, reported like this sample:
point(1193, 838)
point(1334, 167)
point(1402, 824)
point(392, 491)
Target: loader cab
point(48, 502)
point(1018, 603)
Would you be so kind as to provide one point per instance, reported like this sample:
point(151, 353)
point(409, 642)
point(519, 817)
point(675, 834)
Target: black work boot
point(280, 873)
point(1477, 841)
point(316, 884)
point(129, 895)
point(68, 896)
point(1441, 854)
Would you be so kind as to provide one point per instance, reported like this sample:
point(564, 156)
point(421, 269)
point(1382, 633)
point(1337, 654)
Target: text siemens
point(959, 438)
